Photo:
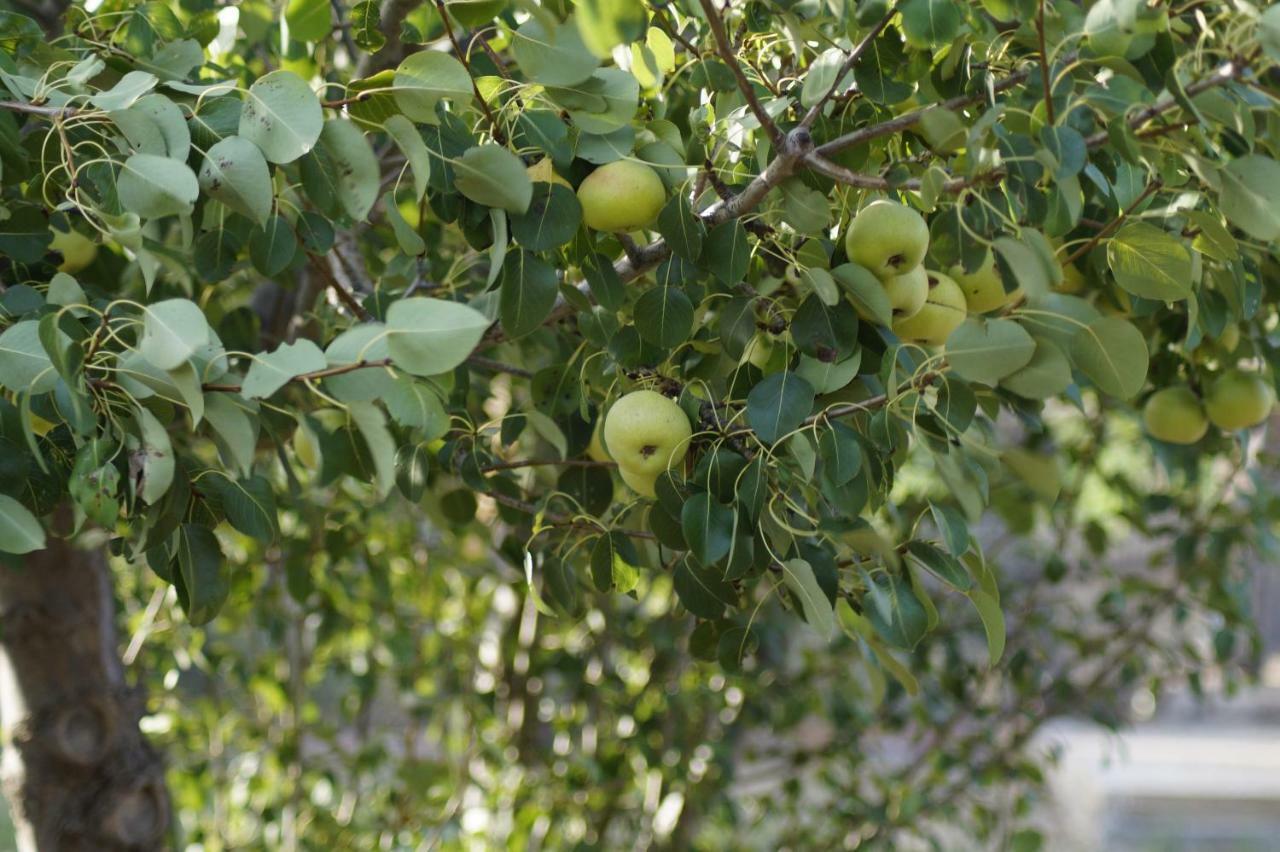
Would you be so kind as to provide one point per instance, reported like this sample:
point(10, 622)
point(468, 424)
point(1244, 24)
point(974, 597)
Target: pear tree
point(667, 295)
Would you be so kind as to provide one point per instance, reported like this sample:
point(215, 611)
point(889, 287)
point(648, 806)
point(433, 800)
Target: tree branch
point(1108, 228)
point(727, 54)
point(344, 295)
point(854, 55)
point(494, 127)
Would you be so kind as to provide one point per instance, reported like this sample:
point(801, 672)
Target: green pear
point(1174, 415)
point(1239, 400)
point(887, 238)
point(942, 313)
point(77, 250)
point(646, 433)
point(907, 293)
point(983, 288)
point(641, 483)
point(621, 196)
point(595, 448)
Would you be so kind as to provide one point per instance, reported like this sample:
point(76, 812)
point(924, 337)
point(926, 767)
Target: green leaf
point(701, 590)
point(20, 531)
point(708, 528)
point(804, 208)
point(366, 26)
point(942, 564)
point(1250, 197)
point(553, 55)
point(1149, 262)
point(818, 611)
point(930, 23)
point(840, 451)
point(271, 248)
point(357, 174)
point(778, 404)
point(235, 173)
point(282, 116)
point(249, 504)
point(172, 330)
point(894, 611)
point(952, 526)
point(1113, 353)
point(552, 219)
point(169, 121)
point(203, 588)
point(613, 561)
point(1047, 374)
point(414, 405)
point(987, 350)
point(664, 316)
point(153, 458)
point(431, 336)
point(372, 424)
point(24, 364)
point(153, 186)
point(425, 77)
point(125, 92)
point(271, 371)
point(821, 75)
point(309, 20)
point(493, 176)
point(682, 228)
point(866, 293)
point(726, 252)
point(409, 141)
point(409, 240)
point(235, 427)
point(528, 293)
point(605, 24)
point(992, 623)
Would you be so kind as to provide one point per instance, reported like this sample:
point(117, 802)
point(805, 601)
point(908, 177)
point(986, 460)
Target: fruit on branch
point(1239, 400)
point(646, 433)
point(544, 172)
point(887, 238)
point(983, 288)
point(1175, 415)
point(759, 350)
point(77, 250)
point(641, 483)
point(943, 311)
point(907, 292)
point(595, 449)
point(1229, 339)
point(621, 196)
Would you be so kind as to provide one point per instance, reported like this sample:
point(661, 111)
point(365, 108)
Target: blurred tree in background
point(618, 424)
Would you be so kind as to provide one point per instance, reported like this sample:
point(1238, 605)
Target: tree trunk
point(76, 770)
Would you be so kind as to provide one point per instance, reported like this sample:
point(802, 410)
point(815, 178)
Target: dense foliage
point(262, 273)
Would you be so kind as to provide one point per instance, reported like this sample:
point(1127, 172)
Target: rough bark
point(77, 771)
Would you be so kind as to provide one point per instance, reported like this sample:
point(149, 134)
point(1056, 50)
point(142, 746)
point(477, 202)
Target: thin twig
point(327, 372)
point(727, 54)
point(522, 463)
point(496, 129)
point(343, 294)
point(852, 59)
point(1108, 228)
point(1044, 65)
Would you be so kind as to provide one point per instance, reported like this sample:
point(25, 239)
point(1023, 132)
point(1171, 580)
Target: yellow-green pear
point(887, 238)
point(641, 483)
point(1174, 415)
point(1239, 400)
point(621, 196)
point(646, 432)
point(77, 250)
point(544, 172)
point(595, 449)
point(907, 293)
point(942, 313)
point(983, 288)
point(1230, 338)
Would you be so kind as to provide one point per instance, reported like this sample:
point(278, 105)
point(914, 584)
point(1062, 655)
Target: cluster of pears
point(1234, 400)
point(645, 433)
point(890, 240)
point(617, 197)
